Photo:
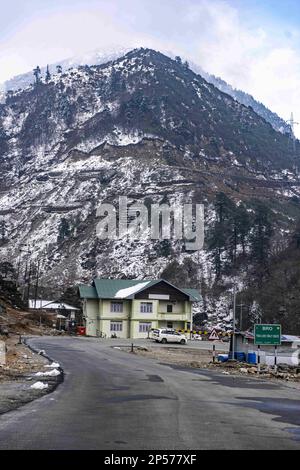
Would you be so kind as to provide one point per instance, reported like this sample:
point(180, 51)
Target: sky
point(252, 44)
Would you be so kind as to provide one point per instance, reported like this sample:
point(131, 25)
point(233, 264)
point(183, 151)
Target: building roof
point(88, 292)
point(49, 305)
point(126, 289)
point(193, 293)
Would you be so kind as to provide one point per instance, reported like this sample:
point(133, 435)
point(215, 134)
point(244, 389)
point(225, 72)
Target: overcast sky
point(252, 44)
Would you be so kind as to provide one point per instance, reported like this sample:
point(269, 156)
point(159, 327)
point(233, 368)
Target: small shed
point(53, 306)
point(63, 316)
point(287, 353)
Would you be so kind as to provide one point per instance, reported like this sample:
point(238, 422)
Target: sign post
point(267, 335)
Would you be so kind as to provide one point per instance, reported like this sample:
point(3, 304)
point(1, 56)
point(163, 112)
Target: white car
point(165, 336)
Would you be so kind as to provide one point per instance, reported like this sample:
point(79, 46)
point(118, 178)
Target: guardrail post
point(258, 359)
point(132, 347)
point(214, 353)
point(275, 359)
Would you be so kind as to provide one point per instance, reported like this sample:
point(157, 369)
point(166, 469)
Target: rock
point(243, 370)
point(283, 367)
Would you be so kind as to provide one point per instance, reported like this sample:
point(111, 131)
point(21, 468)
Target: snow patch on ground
point(39, 386)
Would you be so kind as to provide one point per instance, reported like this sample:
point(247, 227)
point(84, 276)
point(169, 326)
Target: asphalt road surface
point(113, 400)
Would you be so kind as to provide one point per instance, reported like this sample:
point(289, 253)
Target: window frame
point(118, 326)
point(120, 304)
point(149, 326)
point(147, 305)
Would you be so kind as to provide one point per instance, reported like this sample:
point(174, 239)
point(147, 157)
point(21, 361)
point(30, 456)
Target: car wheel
point(182, 341)
point(164, 341)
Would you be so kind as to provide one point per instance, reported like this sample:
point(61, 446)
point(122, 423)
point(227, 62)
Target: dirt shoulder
point(203, 359)
point(17, 375)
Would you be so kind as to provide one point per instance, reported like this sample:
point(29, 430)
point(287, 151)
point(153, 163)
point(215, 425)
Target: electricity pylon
point(292, 124)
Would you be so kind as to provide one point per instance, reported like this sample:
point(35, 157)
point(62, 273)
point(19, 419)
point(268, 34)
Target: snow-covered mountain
point(96, 57)
point(277, 122)
point(142, 126)
point(99, 57)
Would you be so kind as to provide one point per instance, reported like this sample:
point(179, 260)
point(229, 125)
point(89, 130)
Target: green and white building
point(131, 308)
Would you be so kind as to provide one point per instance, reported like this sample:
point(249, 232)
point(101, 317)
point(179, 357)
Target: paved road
point(113, 400)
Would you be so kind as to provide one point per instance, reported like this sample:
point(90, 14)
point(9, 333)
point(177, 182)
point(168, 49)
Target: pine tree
point(37, 73)
point(221, 238)
point(260, 238)
point(178, 60)
point(242, 225)
point(3, 230)
point(64, 230)
point(48, 75)
point(59, 69)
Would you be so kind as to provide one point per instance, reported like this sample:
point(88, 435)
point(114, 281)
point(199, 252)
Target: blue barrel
point(251, 359)
point(240, 356)
point(222, 357)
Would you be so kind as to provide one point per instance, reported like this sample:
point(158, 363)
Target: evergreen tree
point(37, 74)
point(64, 230)
point(223, 229)
point(178, 60)
point(59, 69)
point(296, 236)
point(261, 236)
point(3, 230)
point(48, 75)
point(241, 227)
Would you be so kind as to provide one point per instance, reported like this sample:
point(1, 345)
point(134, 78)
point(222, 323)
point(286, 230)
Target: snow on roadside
point(54, 365)
point(52, 373)
point(39, 386)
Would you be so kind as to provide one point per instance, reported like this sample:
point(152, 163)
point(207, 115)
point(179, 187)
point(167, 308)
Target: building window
point(144, 327)
point(146, 307)
point(116, 326)
point(116, 307)
point(170, 325)
point(169, 308)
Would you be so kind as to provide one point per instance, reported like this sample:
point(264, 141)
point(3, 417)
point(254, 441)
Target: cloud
point(275, 80)
point(261, 61)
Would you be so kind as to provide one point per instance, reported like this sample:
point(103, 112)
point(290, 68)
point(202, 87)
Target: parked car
point(165, 336)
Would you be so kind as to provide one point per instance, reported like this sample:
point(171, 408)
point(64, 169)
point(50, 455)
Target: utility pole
point(29, 279)
point(18, 270)
point(241, 314)
point(37, 283)
point(234, 313)
point(28, 252)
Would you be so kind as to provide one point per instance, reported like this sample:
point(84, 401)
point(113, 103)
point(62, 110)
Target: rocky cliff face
point(142, 126)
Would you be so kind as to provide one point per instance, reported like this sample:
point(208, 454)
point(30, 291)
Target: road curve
point(112, 400)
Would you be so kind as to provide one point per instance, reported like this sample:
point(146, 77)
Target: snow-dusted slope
point(98, 57)
point(142, 126)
